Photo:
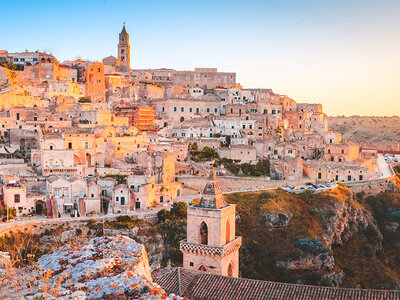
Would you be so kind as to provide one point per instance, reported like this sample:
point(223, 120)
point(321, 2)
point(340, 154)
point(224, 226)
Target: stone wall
point(195, 184)
point(38, 226)
point(372, 186)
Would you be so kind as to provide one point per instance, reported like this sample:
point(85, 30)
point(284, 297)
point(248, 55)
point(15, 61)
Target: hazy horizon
point(342, 54)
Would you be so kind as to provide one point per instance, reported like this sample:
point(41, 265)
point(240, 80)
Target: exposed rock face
point(278, 219)
point(110, 267)
point(310, 262)
point(340, 222)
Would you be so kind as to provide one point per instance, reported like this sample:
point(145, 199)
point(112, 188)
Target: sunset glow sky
point(343, 54)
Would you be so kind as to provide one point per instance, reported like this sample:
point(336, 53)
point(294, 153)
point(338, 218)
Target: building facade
point(211, 245)
point(124, 50)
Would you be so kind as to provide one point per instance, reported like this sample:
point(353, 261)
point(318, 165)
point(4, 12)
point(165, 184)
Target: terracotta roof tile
point(199, 285)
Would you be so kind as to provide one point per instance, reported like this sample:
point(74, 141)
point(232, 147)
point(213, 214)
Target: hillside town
point(110, 163)
point(83, 138)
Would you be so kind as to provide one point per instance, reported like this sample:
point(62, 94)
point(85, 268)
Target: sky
point(344, 54)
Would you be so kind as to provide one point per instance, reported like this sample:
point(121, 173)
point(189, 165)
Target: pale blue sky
point(343, 54)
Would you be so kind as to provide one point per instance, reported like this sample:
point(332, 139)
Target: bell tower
point(211, 245)
point(124, 50)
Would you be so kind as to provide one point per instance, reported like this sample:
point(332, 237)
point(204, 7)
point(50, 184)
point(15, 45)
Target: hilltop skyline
point(340, 54)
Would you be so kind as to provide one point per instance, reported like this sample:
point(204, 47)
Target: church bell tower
point(211, 245)
point(124, 50)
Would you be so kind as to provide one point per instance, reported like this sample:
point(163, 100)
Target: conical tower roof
point(124, 30)
point(212, 195)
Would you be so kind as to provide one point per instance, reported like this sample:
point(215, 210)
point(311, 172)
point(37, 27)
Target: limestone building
point(124, 50)
point(211, 244)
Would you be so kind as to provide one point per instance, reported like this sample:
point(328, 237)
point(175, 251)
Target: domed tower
point(211, 245)
point(124, 50)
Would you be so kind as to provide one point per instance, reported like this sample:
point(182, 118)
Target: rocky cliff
point(310, 238)
point(104, 268)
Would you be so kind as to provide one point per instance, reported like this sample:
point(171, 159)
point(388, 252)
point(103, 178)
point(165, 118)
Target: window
point(117, 198)
point(175, 109)
point(240, 110)
point(122, 200)
point(202, 268)
point(361, 177)
point(69, 145)
point(17, 198)
point(216, 110)
point(182, 109)
point(190, 109)
point(208, 109)
point(17, 116)
point(86, 145)
point(230, 270)
point(228, 232)
point(163, 109)
point(51, 147)
point(319, 175)
point(197, 110)
point(191, 264)
point(203, 233)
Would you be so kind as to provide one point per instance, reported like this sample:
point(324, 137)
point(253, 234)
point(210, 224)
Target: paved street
point(383, 167)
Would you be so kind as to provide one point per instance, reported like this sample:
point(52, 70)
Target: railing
point(224, 250)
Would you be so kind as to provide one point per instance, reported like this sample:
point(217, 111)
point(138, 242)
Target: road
point(140, 214)
point(383, 167)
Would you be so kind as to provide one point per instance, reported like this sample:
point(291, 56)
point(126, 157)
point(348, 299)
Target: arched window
point(203, 233)
point(230, 270)
point(228, 232)
point(202, 268)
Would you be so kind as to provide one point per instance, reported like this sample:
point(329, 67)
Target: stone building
point(95, 82)
point(200, 77)
point(124, 51)
point(211, 245)
point(140, 116)
point(14, 196)
point(177, 110)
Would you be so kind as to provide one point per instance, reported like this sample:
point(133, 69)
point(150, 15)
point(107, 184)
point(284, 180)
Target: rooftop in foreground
point(200, 285)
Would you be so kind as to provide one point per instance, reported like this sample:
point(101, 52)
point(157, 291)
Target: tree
point(194, 147)
point(84, 100)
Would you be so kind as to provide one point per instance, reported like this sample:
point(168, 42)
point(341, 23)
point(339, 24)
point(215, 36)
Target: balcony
point(224, 250)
